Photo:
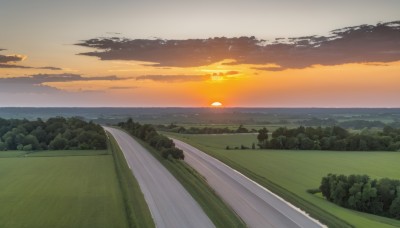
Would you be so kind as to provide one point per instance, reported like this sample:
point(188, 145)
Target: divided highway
point(257, 206)
point(169, 203)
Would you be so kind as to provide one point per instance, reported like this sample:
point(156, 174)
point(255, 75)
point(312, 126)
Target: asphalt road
point(170, 204)
point(257, 206)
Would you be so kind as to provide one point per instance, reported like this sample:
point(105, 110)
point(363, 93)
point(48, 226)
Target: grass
point(291, 173)
point(60, 191)
point(11, 154)
point(52, 153)
point(219, 213)
point(136, 208)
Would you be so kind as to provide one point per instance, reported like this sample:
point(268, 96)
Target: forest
point(361, 193)
point(56, 133)
point(330, 138)
point(148, 133)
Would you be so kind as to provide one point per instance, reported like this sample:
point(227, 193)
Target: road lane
point(257, 206)
point(169, 203)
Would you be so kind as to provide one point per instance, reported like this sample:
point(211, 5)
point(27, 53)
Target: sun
point(216, 104)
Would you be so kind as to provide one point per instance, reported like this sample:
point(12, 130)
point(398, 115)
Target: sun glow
point(216, 104)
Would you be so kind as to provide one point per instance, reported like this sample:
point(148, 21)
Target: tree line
point(359, 192)
point(56, 133)
point(354, 124)
point(205, 130)
point(329, 138)
point(148, 133)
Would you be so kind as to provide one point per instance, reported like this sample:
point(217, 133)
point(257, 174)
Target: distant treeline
point(54, 134)
point(354, 124)
point(205, 130)
point(359, 192)
point(148, 133)
point(329, 138)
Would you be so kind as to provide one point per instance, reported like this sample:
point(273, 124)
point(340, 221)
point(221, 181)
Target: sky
point(177, 53)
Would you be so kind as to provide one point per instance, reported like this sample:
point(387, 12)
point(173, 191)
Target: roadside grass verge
point(52, 153)
point(137, 211)
point(214, 207)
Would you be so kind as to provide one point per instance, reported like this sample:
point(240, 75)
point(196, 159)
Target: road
point(257, 206)
point(169, 203)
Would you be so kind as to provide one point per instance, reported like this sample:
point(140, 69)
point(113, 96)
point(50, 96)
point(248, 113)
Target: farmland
point(53, 189)
point(291, 173)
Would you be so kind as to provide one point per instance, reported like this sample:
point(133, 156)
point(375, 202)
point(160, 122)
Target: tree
point(3, 146)
point(292, 143)
point(31, 140)
point(59, 143)
point(395, 208)
point(242, 129)
point(27, 147)
point(306, 143)
point(262, 137)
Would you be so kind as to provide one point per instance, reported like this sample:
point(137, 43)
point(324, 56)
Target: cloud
point(28, 67)
point(228, 73)
point(14, 66)
point(11, 58)
point(173, 78)
point(277, 68)
point(123, 87)
point(6, 59)
point(358, 44)
point(36, 83)
point(49, 68)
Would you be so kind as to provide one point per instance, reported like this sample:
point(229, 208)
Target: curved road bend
point(170, 204)
point(257, 206)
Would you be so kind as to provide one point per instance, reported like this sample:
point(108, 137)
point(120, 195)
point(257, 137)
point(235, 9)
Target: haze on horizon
point(191, 54)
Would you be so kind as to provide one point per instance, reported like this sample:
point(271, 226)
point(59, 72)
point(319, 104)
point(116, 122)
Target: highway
point(257, 206)
point(170, 204)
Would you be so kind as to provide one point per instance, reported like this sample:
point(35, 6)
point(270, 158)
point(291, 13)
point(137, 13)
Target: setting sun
point(216, 104)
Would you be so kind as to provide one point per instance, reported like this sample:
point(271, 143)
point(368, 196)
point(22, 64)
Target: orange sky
point(348, 85)
point(44, 35)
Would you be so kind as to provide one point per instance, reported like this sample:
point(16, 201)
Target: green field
point(67, 191)
point(291, 173)
point(92, 188)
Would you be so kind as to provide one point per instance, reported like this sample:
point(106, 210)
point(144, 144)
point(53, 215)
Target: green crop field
point(291, 173)
point(60, 190)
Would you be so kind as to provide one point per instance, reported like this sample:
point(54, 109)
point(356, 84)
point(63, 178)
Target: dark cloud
point(123, 87)
point(173, 78)
point(14, 66)
point(358, 44)
point(36, 83)
point(49, 68)
point(269, 68)
point(6, 59)
point(28, 67)
point(228, 73)
point(11, 58)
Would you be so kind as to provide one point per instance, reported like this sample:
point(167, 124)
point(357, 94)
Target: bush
point(27, 147)
point(313, 191)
